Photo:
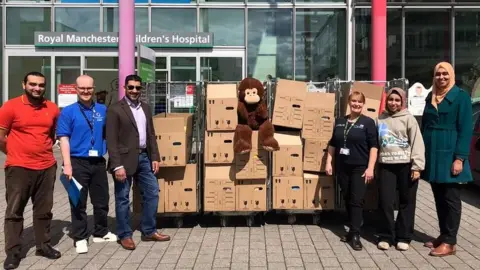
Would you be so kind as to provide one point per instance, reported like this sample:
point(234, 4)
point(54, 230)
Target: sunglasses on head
point(131, 87)
point(36, 84)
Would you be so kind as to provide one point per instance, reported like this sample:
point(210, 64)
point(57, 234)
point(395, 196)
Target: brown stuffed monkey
point(253, 115)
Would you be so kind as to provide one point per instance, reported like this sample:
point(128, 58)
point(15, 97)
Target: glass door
point(221, 69)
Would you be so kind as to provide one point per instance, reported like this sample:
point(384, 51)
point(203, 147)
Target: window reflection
point(270, 43)
point(23, 22)
point(227, 25)
point(320, 44)
point(174, 20)
point(77, 19)
point(427, 42)
point(111, 22)
point(363, 61)
point(467, 51)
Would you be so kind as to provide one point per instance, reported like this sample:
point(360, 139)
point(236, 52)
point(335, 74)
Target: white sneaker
point(109, 237)
point(81, 246)
point(383, 245)
point(402, 246)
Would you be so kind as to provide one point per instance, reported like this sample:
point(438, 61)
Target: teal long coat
point(447, 133)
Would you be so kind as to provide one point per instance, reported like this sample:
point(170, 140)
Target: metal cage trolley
point(222, 196)
point(179, 137)
point(311, 206)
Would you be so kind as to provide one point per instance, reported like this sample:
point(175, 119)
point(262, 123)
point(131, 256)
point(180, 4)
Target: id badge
point(344, 151)
point(92, 153)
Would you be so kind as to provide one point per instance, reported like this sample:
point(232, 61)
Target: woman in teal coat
point(447, 131)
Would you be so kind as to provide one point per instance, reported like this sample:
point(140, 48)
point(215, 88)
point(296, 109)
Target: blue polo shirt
point(72, 124)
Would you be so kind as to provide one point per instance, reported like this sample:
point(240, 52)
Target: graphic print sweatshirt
point(400, 140)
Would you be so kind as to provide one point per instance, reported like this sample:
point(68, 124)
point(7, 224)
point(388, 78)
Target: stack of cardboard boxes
point(297, 182)
point(373, 96)
point(177, 178)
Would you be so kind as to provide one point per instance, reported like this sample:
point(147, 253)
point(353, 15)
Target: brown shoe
point(434, 243)
point(443, 250)
point(156, 237)
point(127, 243)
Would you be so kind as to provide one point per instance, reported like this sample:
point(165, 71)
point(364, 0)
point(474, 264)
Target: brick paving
point(276, 245)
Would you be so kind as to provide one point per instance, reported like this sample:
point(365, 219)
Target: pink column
point(379, 43)
point(126, 42)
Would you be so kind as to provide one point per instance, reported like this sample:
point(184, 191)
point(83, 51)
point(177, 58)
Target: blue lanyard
point(89, 122)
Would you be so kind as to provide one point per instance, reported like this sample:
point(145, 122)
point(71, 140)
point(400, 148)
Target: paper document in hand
point(73, 188)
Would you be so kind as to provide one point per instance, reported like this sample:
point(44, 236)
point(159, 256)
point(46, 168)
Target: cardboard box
point(373, 96)
point(180, 188)
point(288, 160)
point(288, 192)
point(219, 188)
point(219, 147)
point(137, 198)
point(251, 195)
point(252, 165)
point(289, 108)
point(315, 155)
point(319, 192)
point(319, 116)
point(222, 106)
point(174, 138)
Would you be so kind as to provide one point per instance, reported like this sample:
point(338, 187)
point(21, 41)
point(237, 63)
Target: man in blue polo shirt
point(81, 129)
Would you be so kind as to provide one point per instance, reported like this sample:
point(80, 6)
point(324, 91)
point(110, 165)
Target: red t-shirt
point(30, 133)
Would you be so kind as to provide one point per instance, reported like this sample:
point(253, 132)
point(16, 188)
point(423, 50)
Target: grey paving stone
point(221, 263)
point(275, 257)
point(277, 266)
point(166, 266)
point(239, 266)
point(329, 262)
point(204, 266)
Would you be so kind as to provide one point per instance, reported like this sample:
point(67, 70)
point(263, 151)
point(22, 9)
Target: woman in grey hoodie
point(401, 158)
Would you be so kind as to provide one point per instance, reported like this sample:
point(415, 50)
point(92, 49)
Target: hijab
point(403, 97)
point(438, 94)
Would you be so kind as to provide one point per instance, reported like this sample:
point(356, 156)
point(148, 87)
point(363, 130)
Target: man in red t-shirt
point(27, 134)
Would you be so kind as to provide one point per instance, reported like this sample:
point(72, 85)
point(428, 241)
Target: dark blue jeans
point(148, 184)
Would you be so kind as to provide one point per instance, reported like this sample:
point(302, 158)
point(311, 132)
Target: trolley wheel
point(179, 222)
point(292, 218)
point(316, 219)
point(250, 220)
point(223, 221)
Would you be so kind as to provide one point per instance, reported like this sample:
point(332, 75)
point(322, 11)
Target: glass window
point(221, 1)
point(467, 50)
point(110, 19)
point(427, 42)
point(77, 1)
point(363, 24)
point(67, 69)
point(270, 1)
point(19, 66)
point(77, 19)
point(173, 1)
point(161, 63)
point(270, 50)
point(322, 1)
point(94, 62)
point(24, 22)
point(227, 25)
point(320, 45)
point(174, 20)
point(116, 1)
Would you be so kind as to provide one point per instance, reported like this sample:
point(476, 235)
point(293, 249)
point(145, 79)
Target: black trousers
point(449, 210)
point(21, 185)
point(391, 178)
point(92, 175)
point(353, 189)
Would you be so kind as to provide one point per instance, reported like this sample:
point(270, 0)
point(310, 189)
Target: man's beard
point(30, 95)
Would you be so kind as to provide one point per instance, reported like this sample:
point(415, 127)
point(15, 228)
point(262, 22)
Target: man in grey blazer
point(133, 156)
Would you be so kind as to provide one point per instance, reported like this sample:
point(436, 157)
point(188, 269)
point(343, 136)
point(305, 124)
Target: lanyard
point(89, 122)
point(346, 130)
